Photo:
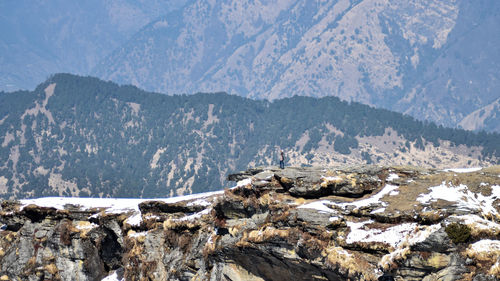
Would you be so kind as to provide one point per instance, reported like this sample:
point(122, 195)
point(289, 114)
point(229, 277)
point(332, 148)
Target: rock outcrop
point(355, 223)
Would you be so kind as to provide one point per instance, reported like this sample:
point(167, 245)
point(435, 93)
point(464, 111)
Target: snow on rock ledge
point(300, 223)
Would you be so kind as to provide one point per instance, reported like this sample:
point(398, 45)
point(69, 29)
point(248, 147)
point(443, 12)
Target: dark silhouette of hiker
point(282, 160)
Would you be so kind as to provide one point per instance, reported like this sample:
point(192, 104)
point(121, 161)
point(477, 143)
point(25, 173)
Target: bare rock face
point(314, 183)
point(349, 223)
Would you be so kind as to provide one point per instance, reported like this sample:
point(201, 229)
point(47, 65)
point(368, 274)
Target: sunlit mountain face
point(434, 60)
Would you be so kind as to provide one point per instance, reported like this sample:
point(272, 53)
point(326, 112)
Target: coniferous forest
point(99, 139)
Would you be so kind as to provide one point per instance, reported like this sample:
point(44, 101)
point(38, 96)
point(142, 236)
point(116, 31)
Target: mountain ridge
point(43, 38)
point(80, 136)
point(433, 60)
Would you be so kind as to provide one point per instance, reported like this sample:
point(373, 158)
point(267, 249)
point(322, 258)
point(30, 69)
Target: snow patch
point(3, 184)
point(465, 199)
point(422, 233)
point(244, 182)
point(319, 206)
point(332, 219)
point(373, 199)
point(148, 217)
point(394, 193)
point(477, 223)
point(392, 177)
point(112, 277)
point(86, 226)
point(199, 202)
point(380, 210)
point(326, 181)
point(112, 205)
point(322, 207)
point(392, 235)
point(138, 234)
point(156, 158)
point(418, 234)
point(331, 179)
point(195, 216)
point(135, 220)
point(485, 246)
point(463, 170)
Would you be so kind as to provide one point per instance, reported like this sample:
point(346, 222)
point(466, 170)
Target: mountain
point(319, 223)
point(434, 60)
point(486, 116)
point(40, 38)
point(80, 136)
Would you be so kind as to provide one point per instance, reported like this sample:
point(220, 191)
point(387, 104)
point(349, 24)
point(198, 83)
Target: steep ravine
point(349, 223)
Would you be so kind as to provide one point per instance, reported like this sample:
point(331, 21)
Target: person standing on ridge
point(282, 160)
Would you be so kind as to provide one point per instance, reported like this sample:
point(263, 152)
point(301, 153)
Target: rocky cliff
point(349, 223)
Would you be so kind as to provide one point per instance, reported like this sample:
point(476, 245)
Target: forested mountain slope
point(80, 136)
point(431, 59)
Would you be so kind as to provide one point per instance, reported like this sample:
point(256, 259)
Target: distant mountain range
point(434, 60)
point(40, 38)
point(80, 136)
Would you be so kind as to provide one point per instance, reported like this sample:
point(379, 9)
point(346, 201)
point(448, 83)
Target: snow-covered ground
point(112, 205)
point(464, 198)
point(463, 170)
point(121, 205)
point(322, 206)
point(112, 277)
point(392, 235)
point(127, 205)
point(400, 237)
point(319, 206)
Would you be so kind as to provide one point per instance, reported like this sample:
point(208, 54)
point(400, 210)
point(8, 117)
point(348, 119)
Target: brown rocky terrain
point(348, 223)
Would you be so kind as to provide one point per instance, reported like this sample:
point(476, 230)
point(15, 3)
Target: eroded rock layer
point(354, 223)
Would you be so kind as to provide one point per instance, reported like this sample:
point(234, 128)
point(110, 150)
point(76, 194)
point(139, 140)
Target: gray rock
point(244, 174)
point(307, 181)
point(40, 233)
point(447, 274)
point(312, 218)
point(162, 207)
point(436, 242)
point(484, 277)
point(263, 236)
